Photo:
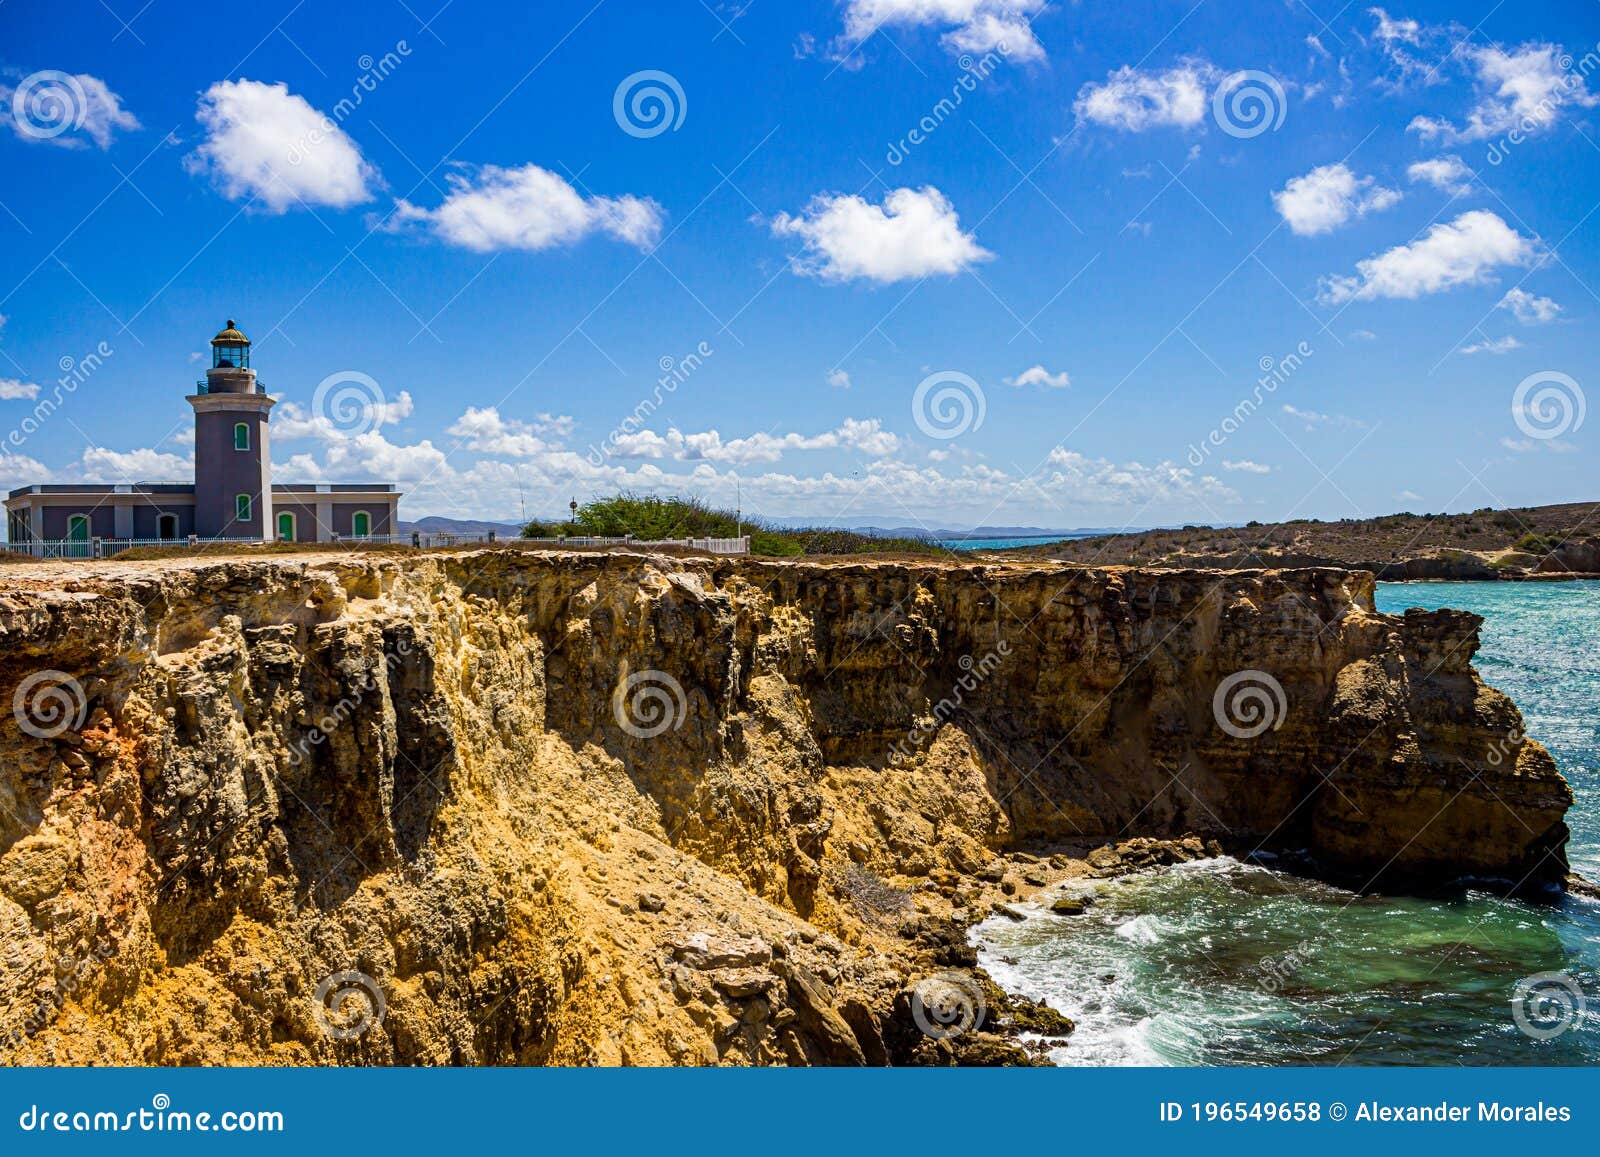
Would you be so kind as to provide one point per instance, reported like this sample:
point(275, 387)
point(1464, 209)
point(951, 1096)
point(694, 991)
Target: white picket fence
point(86, 547)
point(108, 547)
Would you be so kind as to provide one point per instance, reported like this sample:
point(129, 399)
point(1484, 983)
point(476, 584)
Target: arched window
point(167, 526)
point(241, 507)
point(241, 436)
point(361, 524)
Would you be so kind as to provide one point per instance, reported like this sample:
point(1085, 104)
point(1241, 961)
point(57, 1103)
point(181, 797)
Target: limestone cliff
point(589, 808)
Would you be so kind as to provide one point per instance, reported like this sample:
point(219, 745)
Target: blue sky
point(1118, 221)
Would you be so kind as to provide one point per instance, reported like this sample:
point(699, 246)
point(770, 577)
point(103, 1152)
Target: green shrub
point(649, 517)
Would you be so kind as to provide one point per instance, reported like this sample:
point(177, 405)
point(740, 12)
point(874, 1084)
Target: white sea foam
point(1091, 977)
point(1143, 929)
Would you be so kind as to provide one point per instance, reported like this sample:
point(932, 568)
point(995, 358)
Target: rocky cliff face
point(502, 807)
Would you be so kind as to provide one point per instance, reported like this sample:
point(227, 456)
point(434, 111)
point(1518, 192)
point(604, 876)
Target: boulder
point(704, 951)
point(1105, 857)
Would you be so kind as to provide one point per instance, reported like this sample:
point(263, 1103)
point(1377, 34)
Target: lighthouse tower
point(232, 466)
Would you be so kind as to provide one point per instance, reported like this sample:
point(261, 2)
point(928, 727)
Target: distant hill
point(873, 528)
point(1485, 544)
point(998, 532)
point(434, 524)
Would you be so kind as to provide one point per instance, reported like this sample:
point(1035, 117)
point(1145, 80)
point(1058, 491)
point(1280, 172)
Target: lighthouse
point(232, 498)
point(232, 463)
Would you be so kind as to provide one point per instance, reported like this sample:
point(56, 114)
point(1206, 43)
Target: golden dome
point(230, 336)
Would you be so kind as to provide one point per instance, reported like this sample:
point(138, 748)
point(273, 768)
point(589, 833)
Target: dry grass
point(872, 897)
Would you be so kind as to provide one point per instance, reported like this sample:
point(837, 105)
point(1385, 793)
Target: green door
point(285, 528)
point(78, 536)
point(361, 524)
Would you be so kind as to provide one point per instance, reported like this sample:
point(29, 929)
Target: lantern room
point(230, 349)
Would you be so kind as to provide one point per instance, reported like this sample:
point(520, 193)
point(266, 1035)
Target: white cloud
point(485, 431)
point(293, 420)
point(1390, 31)
point(1449, 173)
point(1526, 307)
point(1416, 50)
point(1363, 334)
point(1246, 466)
point(60, 109)
point(915, 233)
point(12, 389)
point(102, 465)
point(20, 470)
point(266, 143)
point(975, 25)
point(1465, 251)
point(1526, 88)
point(1338, 85)
point(529, 208)
point(865, 436)
point(1534, 445)
point(839, 379)
point(1327, 197)
point(368, 456)
point(1313, 418)
point(1039, 376)
point(1101, 481)
point(1136, 99)
point(1489, 345)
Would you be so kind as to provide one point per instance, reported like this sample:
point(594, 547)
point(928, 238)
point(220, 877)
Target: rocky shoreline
point(1526, 543)
point(1558, 576)
point(499, 807)
point(1433, 566)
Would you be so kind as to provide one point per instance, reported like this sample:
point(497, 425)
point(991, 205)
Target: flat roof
point(103, 488)
point(335, 487)
point(46, 488)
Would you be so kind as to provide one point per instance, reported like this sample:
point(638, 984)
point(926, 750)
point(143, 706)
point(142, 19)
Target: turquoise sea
point(1007, 543)
point(1222, 962)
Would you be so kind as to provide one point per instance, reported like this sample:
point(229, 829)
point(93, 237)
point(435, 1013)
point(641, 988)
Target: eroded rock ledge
point(446, 774)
